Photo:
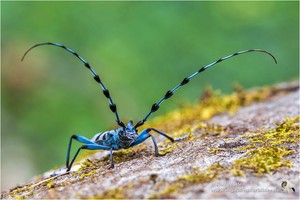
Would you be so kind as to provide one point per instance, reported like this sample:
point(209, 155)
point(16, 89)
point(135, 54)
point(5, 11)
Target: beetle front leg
point(155, 147)
point(145, 135)
point(170, 138)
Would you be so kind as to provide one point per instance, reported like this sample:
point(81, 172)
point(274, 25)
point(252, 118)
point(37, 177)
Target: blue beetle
point(127, 136)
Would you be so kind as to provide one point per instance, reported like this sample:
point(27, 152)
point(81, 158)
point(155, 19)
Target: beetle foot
point(111, 166)
point(181, 138)
point(159, 154)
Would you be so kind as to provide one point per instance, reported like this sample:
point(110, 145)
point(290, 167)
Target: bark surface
point(214, 162)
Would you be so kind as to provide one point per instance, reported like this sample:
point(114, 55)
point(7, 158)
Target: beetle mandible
point(127, 135)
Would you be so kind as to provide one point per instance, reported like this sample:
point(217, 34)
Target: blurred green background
point(140, 50)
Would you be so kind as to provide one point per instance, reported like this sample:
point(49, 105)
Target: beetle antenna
point(169, 93)
point(112, 105)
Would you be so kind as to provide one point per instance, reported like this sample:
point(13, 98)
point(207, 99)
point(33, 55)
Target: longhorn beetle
point(127, 135)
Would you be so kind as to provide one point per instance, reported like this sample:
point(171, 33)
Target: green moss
point(87, 169)
point(165, 194)
point(263, 160)
point(215, 150)
point(196, 176)
point(87, 163)
point(83, 175)
point(21, 193)
point(266, 150)
point(22, 196)
point(50, 184)
point(237, 172)
point(115, 193)
point(267, 157)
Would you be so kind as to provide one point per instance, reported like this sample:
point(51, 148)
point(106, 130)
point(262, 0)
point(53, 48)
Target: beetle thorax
point(127, 135)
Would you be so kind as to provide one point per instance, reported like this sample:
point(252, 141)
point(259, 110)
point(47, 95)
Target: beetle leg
point(145, 135)
point(79, 139)
point(91, 146)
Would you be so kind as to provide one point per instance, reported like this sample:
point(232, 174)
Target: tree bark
point(250, 153)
